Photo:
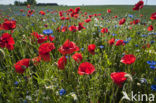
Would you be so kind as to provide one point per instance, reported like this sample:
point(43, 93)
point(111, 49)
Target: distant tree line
point(47, 4)
point(33, 2)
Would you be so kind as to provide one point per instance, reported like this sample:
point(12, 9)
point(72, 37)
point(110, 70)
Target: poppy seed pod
point(2, 54)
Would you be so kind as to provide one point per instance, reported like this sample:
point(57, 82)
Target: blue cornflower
point(136, 45)
point(143, 80)
point(155, 79)
point(62, 92)
point(153, 87)
point(67, 57)
point(150, 33)
point(25, 101)
point(138, 32)
point(82, 49)
point(47, 32)
point(99, 30)
point(53, 20)
point(114, 34)
point(151, 62)
point(128, 39)
point(117, 39)
point(62, 26)
point(122, 54)
point(115, 26)
point(152, 41)
point(153, 67)
point(101, 46)
point(23, 15)
point(126, 42)
point(129, 15)
point(144, 35)
point(16, 83)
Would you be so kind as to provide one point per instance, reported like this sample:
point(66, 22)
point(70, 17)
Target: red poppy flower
point(104, 30)
point(111, 41)
point(122, 21)
point(51, 38)
point(109, 11)
point(62, 18)
point(86, 68)
point(146, 46)
point(87, 20)
point(30, 12)
point(141, 15)
point(118, 78)
point(153, 16)
point(85, 13)
point(40, 38)
point(1, 27)
point(72, 14)
point(71, 10)
point(68, 47)
point(77, 10)
point(21, 10)
point(42, 13)
point(90, 16)
point(36, 60)
point(60, 14)
point(139, 5)
point(136, 21)
point(21, 65)
point(64, 29)
point(7, 41)
point(120, 42)
point(45, 49)
point(91, 48)
point(128, 59)
point(62, 62)
point(150, 28)
point(95, 15)
point(77, 57)
point(72, 28)
point(67, 18)
point(58, 29)
point(115, 16)
point(76, 15)
point(9, 25)
point(80, 27)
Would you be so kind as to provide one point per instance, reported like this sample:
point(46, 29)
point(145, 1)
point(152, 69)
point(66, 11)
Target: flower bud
point(2, 54)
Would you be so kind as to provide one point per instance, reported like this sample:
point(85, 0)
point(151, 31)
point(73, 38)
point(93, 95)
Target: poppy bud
point(129, 77)
point(2, 54)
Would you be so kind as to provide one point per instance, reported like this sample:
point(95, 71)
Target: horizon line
point(88, 5)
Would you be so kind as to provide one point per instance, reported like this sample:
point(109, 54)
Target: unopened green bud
point(2, 54)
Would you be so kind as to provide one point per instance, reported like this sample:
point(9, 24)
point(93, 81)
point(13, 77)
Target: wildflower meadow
point(85, 54)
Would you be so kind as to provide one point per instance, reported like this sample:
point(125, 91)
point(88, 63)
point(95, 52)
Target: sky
point(87, 2)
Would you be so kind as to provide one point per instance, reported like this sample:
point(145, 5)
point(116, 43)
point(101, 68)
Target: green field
point(45, 82)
